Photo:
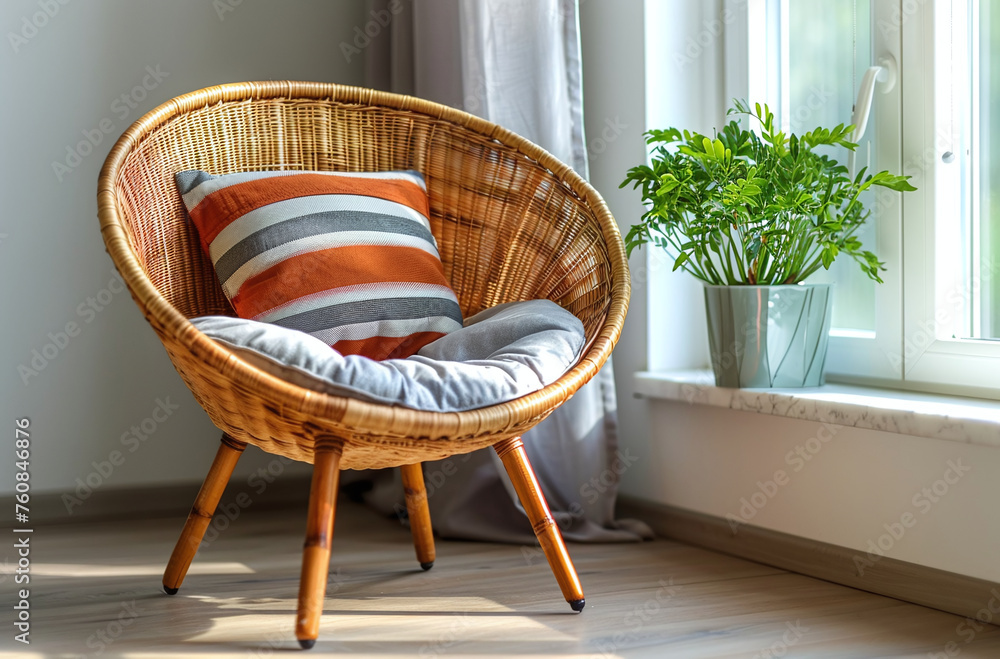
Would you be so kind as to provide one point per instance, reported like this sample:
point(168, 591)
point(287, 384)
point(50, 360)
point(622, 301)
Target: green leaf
point(830, 252)
point(667, 184)
point(720, 149)
point(663, 136)
point(898, 183)
point(680, 260)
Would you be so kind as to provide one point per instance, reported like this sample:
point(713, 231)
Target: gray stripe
point(190, 179)
point(314, 224)
point(367, 311)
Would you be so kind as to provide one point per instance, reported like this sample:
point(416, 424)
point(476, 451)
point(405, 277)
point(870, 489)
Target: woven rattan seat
point(512, 223)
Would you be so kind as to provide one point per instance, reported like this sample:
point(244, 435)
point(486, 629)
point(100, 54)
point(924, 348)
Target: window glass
point(829, 44)
point(987, 124)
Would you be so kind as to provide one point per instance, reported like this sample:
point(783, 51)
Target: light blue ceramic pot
point(768, 336)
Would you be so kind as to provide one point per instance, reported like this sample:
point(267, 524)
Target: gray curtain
point(516, 63)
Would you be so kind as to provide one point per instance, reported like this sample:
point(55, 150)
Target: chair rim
point(349, 412)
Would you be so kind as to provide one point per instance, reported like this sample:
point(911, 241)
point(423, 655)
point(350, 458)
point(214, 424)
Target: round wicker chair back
point(511, 221)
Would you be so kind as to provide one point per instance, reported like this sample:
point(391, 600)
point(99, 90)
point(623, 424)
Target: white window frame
point(932, 357)
point(912, 345)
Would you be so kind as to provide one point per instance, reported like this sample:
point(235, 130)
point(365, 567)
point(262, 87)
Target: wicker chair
point(512, 223)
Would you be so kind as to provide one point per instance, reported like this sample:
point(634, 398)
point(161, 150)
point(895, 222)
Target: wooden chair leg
point(201, 513)
point(419, 513)
point(319, 534)
point(515, 460)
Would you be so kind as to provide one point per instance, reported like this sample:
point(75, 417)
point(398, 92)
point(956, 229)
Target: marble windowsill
point(950, 418)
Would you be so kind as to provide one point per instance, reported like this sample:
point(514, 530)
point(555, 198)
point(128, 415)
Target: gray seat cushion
point(501, 354)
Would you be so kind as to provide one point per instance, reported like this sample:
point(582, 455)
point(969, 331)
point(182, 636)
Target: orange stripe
point(387, 347)
point(328, 269)
point(219, 209)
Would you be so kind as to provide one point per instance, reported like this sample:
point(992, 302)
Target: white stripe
point(265, 216)
point(347, 294)
point(265, 260)
point(389, 328)
point(198, 194)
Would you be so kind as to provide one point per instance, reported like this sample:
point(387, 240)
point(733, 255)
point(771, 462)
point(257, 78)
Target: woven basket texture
point(511, 221)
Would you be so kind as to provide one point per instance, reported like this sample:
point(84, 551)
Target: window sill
point(950, 418)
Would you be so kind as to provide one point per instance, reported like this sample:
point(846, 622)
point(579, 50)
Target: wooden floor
point(95, 591)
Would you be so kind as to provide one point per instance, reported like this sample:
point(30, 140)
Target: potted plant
point(753, 214)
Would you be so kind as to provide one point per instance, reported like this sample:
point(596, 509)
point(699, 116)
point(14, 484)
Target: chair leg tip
point(169, 591)
point(306, 644)
point(427, 566)
point(577, 605)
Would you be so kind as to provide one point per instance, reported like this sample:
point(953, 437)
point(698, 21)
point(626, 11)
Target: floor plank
point(653, 599)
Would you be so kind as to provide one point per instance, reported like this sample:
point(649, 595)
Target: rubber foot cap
point(577, 605)
point(169, 591)
point(307, 644)
point(427, 566)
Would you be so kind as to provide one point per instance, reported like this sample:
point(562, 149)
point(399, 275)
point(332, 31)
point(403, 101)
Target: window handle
point(884, 73)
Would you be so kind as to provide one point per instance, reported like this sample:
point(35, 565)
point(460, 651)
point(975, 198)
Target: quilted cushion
point(346, 257)
point(502, 353)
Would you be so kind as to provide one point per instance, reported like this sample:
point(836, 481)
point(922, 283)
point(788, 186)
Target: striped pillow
point(346, 257)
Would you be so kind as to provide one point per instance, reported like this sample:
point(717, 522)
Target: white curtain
point(516, 63)
point(521, 69)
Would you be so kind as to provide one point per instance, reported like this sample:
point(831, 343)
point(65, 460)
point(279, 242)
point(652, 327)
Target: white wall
point(709, 459)
point(615, 82)
point(68, 77)
point(713, 460)
point(615, 118)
